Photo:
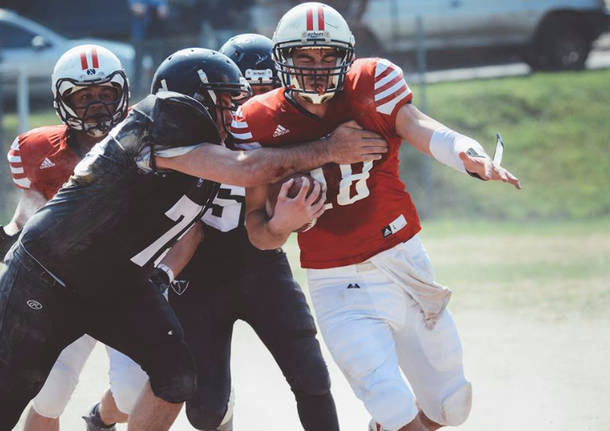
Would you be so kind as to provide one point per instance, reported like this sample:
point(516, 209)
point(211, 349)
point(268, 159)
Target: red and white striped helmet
point(83, 66)
point(313, 25)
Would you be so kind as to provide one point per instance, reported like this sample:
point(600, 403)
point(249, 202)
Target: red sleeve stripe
point(83, 61)
point(388, 105)
point(15, 144)
point(22, 183)
point(389, 85)
point(320, 18)
point(13, 158)
point(382, 75)
point(387, 76)
point(94, 58)
point(396, 88)
point(17, 170)
point(239, 125)
point(310, 19)
point(242, 136)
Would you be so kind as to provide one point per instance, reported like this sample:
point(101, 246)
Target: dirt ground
point(536, 340)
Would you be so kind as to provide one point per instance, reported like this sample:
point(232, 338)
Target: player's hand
point(350, 143)
point(291, 214)
point(158, 280)
point(485, 168)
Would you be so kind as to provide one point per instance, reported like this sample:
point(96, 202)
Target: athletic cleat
point(94, 422)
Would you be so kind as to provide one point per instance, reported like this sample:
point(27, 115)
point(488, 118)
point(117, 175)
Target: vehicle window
point(12, 36)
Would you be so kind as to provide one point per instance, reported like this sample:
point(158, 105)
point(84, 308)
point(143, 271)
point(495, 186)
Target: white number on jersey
point(345, 185)
point(184, 212)
point(226, 212)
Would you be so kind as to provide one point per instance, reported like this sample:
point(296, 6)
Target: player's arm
point(349, 143)
point(448, 147)
point(289, 214)
point(176, 258)
point(31, 199)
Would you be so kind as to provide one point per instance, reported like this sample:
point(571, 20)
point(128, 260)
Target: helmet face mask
point(88, 66)
point(316, 84)
point(83, 117)
point(306, 26)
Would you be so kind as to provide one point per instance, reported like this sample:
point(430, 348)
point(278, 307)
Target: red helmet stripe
point(83, 61)
point(309, 19)
point(320, 18)
point(94, 59)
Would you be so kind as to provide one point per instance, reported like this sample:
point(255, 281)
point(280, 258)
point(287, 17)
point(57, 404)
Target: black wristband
point(6, 242)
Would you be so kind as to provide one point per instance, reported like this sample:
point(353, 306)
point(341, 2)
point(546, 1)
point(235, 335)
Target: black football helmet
point(253, 55)
point(202, 74)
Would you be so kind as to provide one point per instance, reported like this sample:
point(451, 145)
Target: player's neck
point(82, 142)
point(317, 109)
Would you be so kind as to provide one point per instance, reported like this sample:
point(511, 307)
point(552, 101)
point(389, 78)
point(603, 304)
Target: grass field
point(555, 126)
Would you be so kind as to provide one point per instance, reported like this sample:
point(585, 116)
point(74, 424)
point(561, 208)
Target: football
point(274, 191)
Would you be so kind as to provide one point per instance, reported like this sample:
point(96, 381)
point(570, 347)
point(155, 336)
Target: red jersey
point(368, 208)
point(41, 159)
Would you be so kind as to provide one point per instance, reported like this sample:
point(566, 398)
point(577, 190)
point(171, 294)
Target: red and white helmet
point(313, 25)
point(83, 66)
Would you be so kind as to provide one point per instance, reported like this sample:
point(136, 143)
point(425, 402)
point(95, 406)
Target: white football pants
point(374, 329)
point(127, 379)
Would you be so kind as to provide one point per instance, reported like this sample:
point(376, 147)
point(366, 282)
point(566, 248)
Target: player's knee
point(206, 414)
point(127, 380)
point(176, 388)
point(56, 392)
point(453, 409)
point(126, 392)
point(456, 407)
point(172, 374)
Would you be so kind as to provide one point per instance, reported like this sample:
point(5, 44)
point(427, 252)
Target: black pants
point(39, 317)
point(265, 295)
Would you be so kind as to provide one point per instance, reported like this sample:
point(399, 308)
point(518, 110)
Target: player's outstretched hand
point(488, 170)
point(349, 143)
point(291, 214)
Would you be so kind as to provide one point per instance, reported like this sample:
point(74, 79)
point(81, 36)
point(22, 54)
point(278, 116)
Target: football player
point(90, 95)
point(229, 279)
point(379, 309)
point(92, 247)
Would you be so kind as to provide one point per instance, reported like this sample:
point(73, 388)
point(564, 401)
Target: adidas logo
point(280, 130)
point(353, 286)
point(46, 163)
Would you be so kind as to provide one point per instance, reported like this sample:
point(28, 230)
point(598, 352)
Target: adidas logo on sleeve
point(46, 163)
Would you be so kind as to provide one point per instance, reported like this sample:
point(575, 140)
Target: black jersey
point(112, 219)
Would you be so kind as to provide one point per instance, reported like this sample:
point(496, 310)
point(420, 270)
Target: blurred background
point(530, 270)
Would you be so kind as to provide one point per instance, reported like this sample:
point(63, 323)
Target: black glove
point(6, 242)
point(159, 280)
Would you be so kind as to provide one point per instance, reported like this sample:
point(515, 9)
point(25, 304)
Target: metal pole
point(1, 105)
point(23, 100)
point(423, 105)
